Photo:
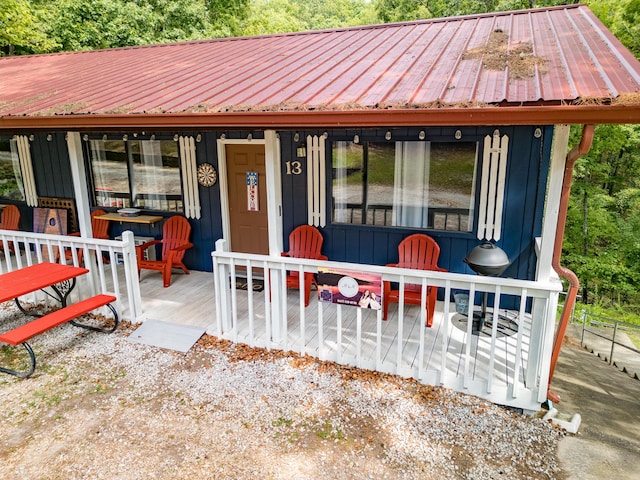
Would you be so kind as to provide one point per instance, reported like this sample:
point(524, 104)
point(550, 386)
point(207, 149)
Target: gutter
point(319, 118)
point(574, 284)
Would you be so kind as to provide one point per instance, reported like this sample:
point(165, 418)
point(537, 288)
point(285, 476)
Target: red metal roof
point(554, 57)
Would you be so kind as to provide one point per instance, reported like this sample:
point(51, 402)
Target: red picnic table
point(61, 280)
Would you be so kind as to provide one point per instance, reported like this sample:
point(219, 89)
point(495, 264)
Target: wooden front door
point(247, 215)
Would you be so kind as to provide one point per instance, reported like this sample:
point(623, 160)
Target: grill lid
point(487, 259)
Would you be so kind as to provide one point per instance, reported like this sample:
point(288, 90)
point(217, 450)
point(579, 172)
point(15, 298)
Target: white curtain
point(411, 184)
point(151, 159)
point(100, 174)
point(15, 160)
point(340, 196)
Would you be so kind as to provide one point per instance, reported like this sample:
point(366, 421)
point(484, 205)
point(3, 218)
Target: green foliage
point(602, 237)
point(21, 29)
point(40, 26)
point(280, 16)
point(403, 10)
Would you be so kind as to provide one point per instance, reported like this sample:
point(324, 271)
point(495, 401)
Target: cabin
point(453, 128)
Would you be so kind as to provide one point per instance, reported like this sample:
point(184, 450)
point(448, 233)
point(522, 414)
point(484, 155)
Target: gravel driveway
point(102, 407)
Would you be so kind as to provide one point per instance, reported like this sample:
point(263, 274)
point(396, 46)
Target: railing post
point(583, 315)
point(131, 274)
point(221, 273)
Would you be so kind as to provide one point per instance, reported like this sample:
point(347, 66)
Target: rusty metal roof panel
point(554, 55)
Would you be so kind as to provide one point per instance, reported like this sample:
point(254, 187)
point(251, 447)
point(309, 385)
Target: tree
point(279, 16)
point(21, 31)
point(403, 10)
point(601, 243)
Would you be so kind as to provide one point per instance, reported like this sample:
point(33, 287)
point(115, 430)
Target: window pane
point(405, 184)
point(10, 175)
point(110, 175)
point(156, 175)
point(380, 167)
point(452, 185)
point(348, 166)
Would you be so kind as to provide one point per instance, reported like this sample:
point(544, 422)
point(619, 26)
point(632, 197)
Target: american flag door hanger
point(253, 204)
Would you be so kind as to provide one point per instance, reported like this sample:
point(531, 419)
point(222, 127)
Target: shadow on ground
point(607, 445)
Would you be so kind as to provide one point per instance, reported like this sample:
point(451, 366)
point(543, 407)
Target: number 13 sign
point(252, 192)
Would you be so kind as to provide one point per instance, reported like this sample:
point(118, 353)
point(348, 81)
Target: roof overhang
point(511, 115)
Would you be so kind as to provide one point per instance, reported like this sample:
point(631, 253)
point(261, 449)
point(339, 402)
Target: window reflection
point(426, 185)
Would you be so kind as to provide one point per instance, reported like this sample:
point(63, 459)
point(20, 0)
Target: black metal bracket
point(62, 291)
point(32, 367)
point(98, 329)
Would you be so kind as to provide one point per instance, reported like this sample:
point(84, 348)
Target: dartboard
point(207, 175)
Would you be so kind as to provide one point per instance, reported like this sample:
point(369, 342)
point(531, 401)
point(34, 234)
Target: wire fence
point(609, 333)
point(609, 330)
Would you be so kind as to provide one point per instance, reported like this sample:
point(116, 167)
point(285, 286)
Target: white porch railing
point(508, 369)
point(104, 258)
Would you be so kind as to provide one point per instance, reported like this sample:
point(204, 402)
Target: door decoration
point(207, 175)
point(350, 287)
point(189, 177)
point(494, 170)
point(253, 204)
point(316, 184)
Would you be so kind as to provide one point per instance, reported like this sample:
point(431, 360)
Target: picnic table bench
point(39, 277)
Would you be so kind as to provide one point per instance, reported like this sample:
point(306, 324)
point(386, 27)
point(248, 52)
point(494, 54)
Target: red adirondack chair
point(305, 241)
point(10, 221)
point(175, 241)
point(99, 229)
point(420, 252)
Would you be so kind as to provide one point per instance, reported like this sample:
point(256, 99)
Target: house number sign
point(252, 192)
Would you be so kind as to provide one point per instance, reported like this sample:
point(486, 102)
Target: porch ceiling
point(540, 66)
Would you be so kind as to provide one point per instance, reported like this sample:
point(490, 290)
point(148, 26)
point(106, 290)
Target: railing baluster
point(494, 333)
point(267, 302)
point(339, 333)
point(400, 323)
point(301, 297)
point(423, 306)
point(469, 336)
point(250, 303)
point(321, 353)
point(358, 336)
point(518, 357)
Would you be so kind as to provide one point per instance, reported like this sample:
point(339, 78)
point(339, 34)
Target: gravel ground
point(102, 407)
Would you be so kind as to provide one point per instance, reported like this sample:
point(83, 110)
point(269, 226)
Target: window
point(405, 184)
point(11, 186)
point(136, 173)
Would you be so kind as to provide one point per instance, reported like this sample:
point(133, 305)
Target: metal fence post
point(583, 314)
point(613, 341)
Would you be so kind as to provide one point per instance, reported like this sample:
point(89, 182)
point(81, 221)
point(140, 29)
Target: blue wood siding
point(527, 171)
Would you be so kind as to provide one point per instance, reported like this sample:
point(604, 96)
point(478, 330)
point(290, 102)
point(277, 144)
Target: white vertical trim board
point(310, 180)
point(79, 176)
point(189, 177)
point(494, 169)
point(482, 209)
point(195, 198)
point(28, 178)
point(316, 188)
point(274, 190)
